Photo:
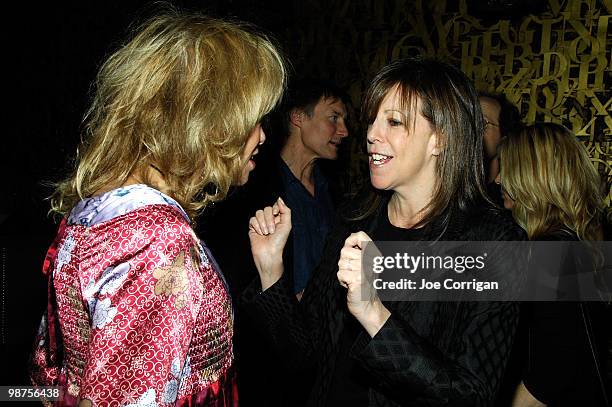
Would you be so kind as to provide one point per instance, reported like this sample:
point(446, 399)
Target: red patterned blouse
point(138, 313)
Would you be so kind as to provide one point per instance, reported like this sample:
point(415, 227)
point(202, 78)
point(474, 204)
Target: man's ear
point(296, 117)
point(436, 144)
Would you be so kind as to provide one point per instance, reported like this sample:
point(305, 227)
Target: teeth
point(378, 159)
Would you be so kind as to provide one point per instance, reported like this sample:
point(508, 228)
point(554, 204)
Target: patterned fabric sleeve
point(142, 314)
point(409, 370)
point(45, 369)
point(44, 364)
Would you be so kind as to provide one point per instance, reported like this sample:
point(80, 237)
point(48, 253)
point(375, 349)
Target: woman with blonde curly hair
point(553, 190)
point(138, 312)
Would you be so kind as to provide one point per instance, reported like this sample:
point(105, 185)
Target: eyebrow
point(334, 111)
point(397, 111)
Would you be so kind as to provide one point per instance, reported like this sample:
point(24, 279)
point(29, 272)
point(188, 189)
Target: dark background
point(52, 52)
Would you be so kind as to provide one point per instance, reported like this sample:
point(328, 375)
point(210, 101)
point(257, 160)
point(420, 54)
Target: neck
point(406, 210)
point(492, 169)
point(299, 160)
point(151, 174)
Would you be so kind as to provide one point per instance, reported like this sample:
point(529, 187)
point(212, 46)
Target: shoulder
point(147, 232)
point(159, 214)
point(114, 204)
point(160, 221)
point(560, 235)
point(139, 247)
point(488, 223)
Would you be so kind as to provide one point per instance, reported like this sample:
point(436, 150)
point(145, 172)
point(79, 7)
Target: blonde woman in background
point(553, 190)
point(138, 312)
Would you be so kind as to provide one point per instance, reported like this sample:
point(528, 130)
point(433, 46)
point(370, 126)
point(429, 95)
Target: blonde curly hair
point(552, 181)
point(182, 96)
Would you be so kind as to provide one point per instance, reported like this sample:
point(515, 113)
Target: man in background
point(501, 119)
point(303, 135)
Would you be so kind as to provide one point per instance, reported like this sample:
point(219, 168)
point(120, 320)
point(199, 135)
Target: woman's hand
point(268, 232)
point(361, 298)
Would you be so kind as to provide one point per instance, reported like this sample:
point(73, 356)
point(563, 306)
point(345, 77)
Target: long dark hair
point(450, 103)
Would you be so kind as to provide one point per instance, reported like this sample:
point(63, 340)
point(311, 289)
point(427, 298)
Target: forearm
point(410, 369)
point(270, 270)
point(279, 316)
point(374, 319)
point(411, 366)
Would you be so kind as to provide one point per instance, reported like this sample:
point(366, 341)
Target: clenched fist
point(268, 232)
point(361, 297)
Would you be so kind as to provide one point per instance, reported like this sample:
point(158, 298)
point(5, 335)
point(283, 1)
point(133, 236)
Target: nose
point(373, 133)
point(342, 130)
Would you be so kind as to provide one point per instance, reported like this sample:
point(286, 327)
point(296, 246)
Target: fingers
point(349, 264)
point(348, 276)
point(357, 240)
point(284, 211)
point(349, 267)
point(269, 219)
point(350, 259)
point(261, 220)
point(265, 220)
point(254, 225)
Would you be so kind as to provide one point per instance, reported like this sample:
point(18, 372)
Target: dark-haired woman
point(425, 157)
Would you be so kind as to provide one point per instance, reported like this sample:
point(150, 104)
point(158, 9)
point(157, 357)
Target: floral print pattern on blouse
point(138, 314)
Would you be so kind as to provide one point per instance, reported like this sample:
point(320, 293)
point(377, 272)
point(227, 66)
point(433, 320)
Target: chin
point(329, 156)
point(244, 178)
point(379, 184)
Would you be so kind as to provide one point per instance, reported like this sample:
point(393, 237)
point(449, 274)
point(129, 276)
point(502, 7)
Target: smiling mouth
point(379, 159)
point(335, 143)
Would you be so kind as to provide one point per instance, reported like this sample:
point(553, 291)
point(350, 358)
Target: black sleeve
point(297, 328)
point(555, 346)
point(411, 370)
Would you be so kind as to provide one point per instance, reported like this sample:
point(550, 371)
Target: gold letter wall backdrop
point(555, 66)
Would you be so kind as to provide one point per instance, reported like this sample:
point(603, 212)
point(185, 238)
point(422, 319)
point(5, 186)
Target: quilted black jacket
point(426, 354)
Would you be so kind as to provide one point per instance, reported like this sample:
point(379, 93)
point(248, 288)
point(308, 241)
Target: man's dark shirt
point(311, 218)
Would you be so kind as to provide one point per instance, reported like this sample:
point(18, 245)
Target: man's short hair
point(304, 94)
